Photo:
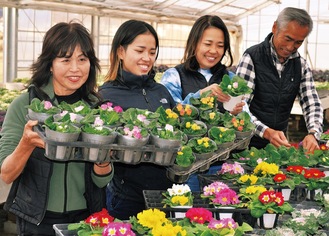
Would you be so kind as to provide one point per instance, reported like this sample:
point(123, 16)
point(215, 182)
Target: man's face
point(287, 40)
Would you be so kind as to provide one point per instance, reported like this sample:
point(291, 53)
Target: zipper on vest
point(146, 99)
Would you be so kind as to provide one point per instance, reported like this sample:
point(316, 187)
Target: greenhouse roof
point(162, 11)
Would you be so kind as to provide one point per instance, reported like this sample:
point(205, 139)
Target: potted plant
point(193, 128)
point(199, 221)
point(167, 138)
point(41, 110)
point(186, 111)
point(205, 102)
point(184, 158)
point(131, 136)
point(93, 225)
point(140, 117)
point(211, 118)
point(221, 196)
point(224, 137)
point(269, 204)
point(178, 195)
point(236, 87)
point(99, 134)
point(230, 171)
point(63, 132)
point(81, 108)
point(167, 116)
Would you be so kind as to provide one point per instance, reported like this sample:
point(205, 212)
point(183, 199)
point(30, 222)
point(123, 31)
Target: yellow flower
point(255, 189)
point(212, 115)
point(265, 168)
point(151, 217)
point(168, 230)
point(180, 199)
point(195, 127)
point(171, 114)
point(244, 178)
point(188, 124)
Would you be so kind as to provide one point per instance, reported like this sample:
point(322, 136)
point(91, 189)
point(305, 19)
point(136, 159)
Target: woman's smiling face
point(70, 73)
point(210, 48)
point(139, 56)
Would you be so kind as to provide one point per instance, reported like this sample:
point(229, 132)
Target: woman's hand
point(238, 108)
point(217, 92)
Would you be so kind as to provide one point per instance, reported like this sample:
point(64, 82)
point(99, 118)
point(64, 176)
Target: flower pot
point(62, 151)
point(267, 221)
point(224, 213)
point(97, 154)
point(179, 215)
point(286, 192)
point(179, 168)
point(243, 135)
point(229, 106)
point(225, 145)
point(165, 157)
point(41, 117)
point(311, 193)
point(131, 156)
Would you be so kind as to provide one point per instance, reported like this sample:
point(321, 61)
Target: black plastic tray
point(180, 176)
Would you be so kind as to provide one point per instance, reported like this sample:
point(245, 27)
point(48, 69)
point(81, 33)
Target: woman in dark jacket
point(130, 83)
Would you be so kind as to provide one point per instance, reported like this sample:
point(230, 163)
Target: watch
point(315, 134)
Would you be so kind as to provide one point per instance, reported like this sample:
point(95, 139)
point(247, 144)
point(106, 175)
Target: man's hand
point(276, 137)
point(310, 143)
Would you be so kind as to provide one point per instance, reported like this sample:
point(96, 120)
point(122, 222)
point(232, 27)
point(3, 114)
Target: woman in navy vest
point(208, 44)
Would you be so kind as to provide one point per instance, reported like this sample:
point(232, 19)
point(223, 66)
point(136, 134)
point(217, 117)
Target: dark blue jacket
point(139, 92)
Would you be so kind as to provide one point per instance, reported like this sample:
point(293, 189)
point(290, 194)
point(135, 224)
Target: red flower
point(278, 178)
point(265, 197)
point(279, 200)
point(101, 218)
point(199, 215)
point(295, 169)
point(314, 174)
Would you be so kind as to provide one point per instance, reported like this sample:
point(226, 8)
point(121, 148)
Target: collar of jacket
point(134, 81)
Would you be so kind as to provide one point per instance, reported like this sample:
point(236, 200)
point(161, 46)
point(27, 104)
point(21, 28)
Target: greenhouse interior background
point(22, 28)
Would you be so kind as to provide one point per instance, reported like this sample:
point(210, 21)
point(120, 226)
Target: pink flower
point(118, 229)
point(226, 196)
point(235, 168)
point(118, 109)
point(98, 122)
point(141, 117)
point(48, 105)
point(221, 224)
point(214, 188)
point(235, 85)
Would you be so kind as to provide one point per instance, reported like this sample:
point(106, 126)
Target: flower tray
point(180, 176)
point(153, 199)
point(91, 152)
point(61, 230)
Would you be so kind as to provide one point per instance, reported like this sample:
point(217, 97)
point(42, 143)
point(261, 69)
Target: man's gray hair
point(289, 14)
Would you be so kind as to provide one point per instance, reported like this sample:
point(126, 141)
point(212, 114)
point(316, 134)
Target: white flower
point(169, 127)
point(79, 108)
point(307, 213)
point(178, 189)
point(98, 122)
point(300, 220)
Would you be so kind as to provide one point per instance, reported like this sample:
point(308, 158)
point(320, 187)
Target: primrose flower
point(199, 215)
point(48, 105)
point(213, 188)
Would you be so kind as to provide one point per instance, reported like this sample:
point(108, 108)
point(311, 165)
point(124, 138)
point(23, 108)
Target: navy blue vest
point(273, 96)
